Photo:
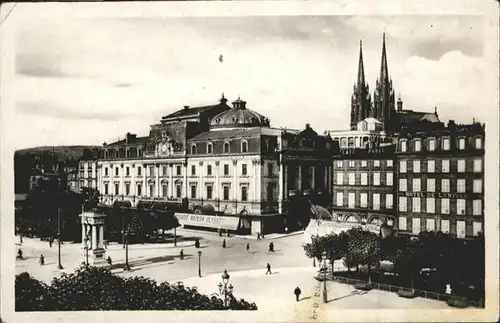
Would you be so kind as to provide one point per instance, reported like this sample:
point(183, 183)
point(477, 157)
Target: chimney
point(186, 107)
point(308, 125)
point(451, 123)
point(400, 103)
point(129, 137)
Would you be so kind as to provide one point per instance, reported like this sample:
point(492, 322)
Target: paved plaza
point(273, 293)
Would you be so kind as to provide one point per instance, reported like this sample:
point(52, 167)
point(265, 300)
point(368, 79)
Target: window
point(376, 179)
point(139, 171)
point(244, 193)
point(416, 185)
point(363, 163)
point(445, 226)
point(117, 188)
point(270, 169)
point(477, 227)
point(244, 169)
point(139, 189)
point(127, 171)
point(389, 200)
point(117, 154)
point(105, 171)
point(209, 170)
point(226, 169)
point(389, 163)
point(352, 163)
point(106, 154)
point(403, 204)
point(376, 201)
point(226, 147)
point(244, 147)
point(477, 208)
point(415, 226)
point(209, 148)
point(430, 205)
point(164, 190)
point(430, 224)
point(193, 191)
point(461, 143)
point(193, 170)
point(418, 145)
point(340, 199)
point(445, 166)
point(127, 189)
point(445, 206)
point(477, 186)
point(352, 200)
point(226, 193)
point(193, 150)
point(106, 189)
point(376, 163)
point(209, 192)
point(164, 170)
point(151, 190)
point(431, 185)
point(89, 173)
point(364, 179)
point(364, 200)
point(460, 207)
point(402, 223)
point(402, 185)
point(415, 204)
point(117, 171)
point(431, 166)
point(478, 143)
point(352, 178)
point(460, 229)
point(477, 165)
point(461, 166)
point(461, 185)
point(446, 143)
point(178, 190)
point(403, 145)
point(339, 163)
point(416, 166)
point(178, 170)
point(432, 145)
point(340, 178)
point(402, 166)
point(151, 171)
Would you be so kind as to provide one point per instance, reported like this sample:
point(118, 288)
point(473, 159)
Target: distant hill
point(63, 153)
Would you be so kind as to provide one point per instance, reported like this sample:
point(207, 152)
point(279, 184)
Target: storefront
point(230, 224)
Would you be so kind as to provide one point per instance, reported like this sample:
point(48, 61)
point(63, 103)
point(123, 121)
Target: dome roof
point(239, 116)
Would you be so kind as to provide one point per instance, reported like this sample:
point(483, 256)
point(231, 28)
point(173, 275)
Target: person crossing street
point(297, 293)
point(268, 269)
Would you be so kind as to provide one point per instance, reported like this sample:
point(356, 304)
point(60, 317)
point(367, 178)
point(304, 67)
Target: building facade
point(440, 179)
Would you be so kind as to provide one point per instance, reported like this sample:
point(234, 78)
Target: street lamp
point(123, 228)
point(224, 290)
point(59, 266)
point(199, 263)
point(325, 297)
point(126, 267)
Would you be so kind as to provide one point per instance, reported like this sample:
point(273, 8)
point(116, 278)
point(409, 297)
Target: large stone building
point(441, 179)
point(227, 160)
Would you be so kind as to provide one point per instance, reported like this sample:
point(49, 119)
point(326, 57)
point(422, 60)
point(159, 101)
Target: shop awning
point(209, 221)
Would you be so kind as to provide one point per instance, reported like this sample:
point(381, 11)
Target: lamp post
point(199, 263)
point(175, 236)
point(126, 267)
point(224, 290)
point(123, 228)
point(325, 296)
point(59, 265)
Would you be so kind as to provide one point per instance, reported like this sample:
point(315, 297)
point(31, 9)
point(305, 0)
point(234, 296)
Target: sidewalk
point(270, 236)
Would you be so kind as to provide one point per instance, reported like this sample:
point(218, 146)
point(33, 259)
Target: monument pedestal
point(93, 239)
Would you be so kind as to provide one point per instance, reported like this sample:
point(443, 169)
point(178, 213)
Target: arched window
point(193, 149)
point(343, 142)
point(244, 146)
point(106, 154)
point(117, 153)
point(350, 142)
point(139, 152)
point(210, 148)
point(128, 153)
point(226, 147)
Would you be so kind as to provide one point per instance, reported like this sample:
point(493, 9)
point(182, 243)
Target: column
point(84, 228)
point(235, 181)
point(122, 180)
point(200, 190)
point(217, 184)
point(171, 180)
point(285, 181)
point(185, 179)
point(299, 178)
point(111, 185)
point(313, 177)
point(157, 182)
point(254, 180)
point(94, 237)
point(144, 183)
point(101, 236)
point(326, 175)
point(259, 179)
point(280, 186)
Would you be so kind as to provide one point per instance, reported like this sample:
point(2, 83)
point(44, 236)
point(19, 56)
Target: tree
point(30, 293)
point(407, 261)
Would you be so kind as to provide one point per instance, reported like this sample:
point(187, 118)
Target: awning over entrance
point(209, 221)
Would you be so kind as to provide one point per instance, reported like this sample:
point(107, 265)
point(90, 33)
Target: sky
point(89, 81)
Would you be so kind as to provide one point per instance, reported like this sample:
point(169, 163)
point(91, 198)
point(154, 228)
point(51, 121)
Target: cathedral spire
point(384, 73)
point(361, 69)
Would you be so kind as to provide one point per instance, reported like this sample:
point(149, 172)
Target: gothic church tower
point(384, 103)
point(361, 102)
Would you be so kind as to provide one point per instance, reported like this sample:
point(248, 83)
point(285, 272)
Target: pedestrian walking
point(297, 292)
point(258, 236)
point(19, 254)
point(248, 246)
point(50, 241)
point(42, 260)
point(182, 254)
point(110, 262)
point(197, 243)
point(268, 269)
point(271, 247)
point(224, 243)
